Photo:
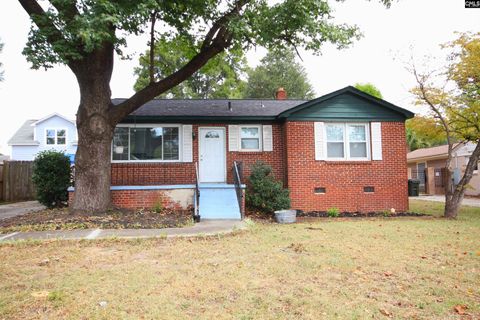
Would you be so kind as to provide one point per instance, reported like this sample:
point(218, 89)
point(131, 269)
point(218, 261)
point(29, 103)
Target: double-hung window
point(155, 143)
point(347, 141)
point(56, 136)
point(250, 138)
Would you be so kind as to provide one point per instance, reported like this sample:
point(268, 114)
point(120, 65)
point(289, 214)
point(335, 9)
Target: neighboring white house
point(52, 132)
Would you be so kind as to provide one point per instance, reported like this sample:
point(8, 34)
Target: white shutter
point(267, 138)
point(233, 138)
point(376, 140)
point(187, 143)
point(319, 152)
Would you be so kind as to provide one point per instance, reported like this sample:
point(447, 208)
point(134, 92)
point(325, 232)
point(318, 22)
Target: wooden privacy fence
point(17, 181)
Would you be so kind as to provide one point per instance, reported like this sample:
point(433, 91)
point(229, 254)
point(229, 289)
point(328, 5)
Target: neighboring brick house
point(346, 149)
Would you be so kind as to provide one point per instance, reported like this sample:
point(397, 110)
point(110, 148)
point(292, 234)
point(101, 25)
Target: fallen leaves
point(44, 262)
point(297, 247)
point(460, 309)
point(386, 313)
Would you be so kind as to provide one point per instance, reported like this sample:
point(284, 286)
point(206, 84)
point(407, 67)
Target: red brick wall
point(344, 181)
point(140, 174)
point(274, 158)
point(184, 173)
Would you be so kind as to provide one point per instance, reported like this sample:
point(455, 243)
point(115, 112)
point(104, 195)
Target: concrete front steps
point(218, 201)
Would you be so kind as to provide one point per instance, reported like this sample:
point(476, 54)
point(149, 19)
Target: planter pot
point(286, 216)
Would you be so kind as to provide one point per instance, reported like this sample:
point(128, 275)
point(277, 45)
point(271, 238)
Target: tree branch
point(217, 39)
point(68, 9)
point(222, 21)
point(152, 90)
point(40, 18)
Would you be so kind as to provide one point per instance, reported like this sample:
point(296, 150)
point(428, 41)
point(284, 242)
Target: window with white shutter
point(318, 135)
point(340, 141)
point(187, 143)
point(267, 138)
point(250, 137)
point(233, 138)
point(376, 140)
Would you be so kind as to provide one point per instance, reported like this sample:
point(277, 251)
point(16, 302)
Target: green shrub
point(333, 212)
point(266, 194)
point(51, 176)
point(158, 206)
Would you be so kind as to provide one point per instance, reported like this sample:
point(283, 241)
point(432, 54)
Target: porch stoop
point(218, 201)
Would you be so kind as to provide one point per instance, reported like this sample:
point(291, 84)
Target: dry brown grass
point(400, 268)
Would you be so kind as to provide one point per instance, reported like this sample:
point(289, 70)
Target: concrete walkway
point(473, 202)
point(18, 208)
point(203, 228)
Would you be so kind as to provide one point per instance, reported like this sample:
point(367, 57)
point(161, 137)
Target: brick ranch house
point(345, 149)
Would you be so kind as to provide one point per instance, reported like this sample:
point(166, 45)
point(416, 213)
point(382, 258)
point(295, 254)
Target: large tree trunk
point(453, 200)
point(92, 164)
point(454, 194)
point(95, 131)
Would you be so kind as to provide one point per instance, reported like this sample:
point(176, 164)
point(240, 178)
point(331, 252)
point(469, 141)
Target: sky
point(391, 36)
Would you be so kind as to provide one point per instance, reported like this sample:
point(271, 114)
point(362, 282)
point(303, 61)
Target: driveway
point(19, 208)
point(473, 202)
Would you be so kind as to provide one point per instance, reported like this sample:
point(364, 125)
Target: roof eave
point(50, 116)
point(23, 143)
point(406, 113)
point(145, 119)
point(428, 158)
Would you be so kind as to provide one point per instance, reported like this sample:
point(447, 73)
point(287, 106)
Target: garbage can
point(413, 187)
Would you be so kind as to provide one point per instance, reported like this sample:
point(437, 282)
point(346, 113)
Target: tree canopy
point(369, 88)
point(424, 132)
point(85, 35)
point(278, 69)
point(455, 105)
point(220, 77)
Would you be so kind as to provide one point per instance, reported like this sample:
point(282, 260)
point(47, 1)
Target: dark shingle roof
point(213, 107)
point(243, 109)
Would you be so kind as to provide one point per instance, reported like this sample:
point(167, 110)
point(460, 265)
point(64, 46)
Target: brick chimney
point(281, 94)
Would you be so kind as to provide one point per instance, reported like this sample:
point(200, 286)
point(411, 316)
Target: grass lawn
point(347, 269)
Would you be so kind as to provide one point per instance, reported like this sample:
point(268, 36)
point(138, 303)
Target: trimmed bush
point(51, 176)
point(266, 194)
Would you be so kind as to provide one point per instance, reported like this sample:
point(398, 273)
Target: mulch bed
point(323, 214)
point(62, 219)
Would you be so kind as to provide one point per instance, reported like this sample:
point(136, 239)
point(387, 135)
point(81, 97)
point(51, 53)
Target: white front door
point(212, 154)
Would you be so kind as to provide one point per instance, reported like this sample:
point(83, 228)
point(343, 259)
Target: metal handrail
point(238, 187)
point(196, 194)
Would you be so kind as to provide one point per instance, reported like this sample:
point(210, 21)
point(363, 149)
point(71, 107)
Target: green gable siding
point(346, 107)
